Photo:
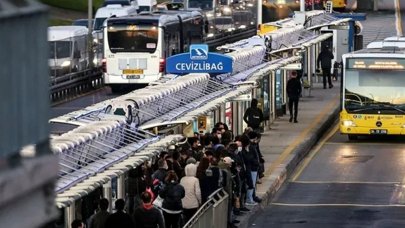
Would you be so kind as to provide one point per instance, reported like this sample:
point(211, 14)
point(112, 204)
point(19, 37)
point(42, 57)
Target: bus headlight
point(348, 123)
point(66, 63)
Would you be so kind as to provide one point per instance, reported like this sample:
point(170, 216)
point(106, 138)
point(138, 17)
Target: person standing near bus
point(325, 60)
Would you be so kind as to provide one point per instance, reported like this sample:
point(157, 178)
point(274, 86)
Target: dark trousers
point(293, 101)
point(188, 213)
point(326, 73)
point(172, 220)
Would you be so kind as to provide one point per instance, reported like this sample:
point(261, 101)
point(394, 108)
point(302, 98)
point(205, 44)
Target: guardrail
point(213, 213)
point(230, 37)
point(70, 85)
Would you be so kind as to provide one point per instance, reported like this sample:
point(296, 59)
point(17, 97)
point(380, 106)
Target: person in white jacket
point(191, 185)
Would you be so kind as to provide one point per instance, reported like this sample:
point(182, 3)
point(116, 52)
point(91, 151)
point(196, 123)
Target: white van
point(68, 49)
point(147, 5)
point(113, 10)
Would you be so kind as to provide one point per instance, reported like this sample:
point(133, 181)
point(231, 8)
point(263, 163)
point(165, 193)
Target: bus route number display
point(374, 64)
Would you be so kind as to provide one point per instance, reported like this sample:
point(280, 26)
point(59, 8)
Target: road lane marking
point(336, 205)
point(312, 154)
point(300, 138)
point(399, 18)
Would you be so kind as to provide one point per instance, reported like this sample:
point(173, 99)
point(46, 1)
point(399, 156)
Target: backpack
point(254, 118)
point(157, 186)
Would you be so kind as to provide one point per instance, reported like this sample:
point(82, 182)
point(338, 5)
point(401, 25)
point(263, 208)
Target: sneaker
point(251, 203)
point(290, 120)
point(330, 86)
point(244, 209)
point(258, 182)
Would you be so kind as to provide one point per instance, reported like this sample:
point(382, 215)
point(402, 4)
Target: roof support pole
point(302, 5)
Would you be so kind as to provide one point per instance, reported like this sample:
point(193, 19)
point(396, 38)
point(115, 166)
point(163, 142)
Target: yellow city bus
point(373, 92)
point(339, 4)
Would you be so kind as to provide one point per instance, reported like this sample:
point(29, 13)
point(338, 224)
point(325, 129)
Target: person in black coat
point(148, 216)
point(172, 206)
point(253, 116)
point(119, 218)
point(293, 92)
point(325, 60)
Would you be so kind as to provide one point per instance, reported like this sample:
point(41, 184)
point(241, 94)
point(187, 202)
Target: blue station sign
point(199, 60)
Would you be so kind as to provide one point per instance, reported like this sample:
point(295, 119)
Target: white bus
point(136, 47)
point(112, 10)
point(147, 5)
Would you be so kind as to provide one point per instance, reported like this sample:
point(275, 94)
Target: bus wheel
point(352, 137)
point(115, 88)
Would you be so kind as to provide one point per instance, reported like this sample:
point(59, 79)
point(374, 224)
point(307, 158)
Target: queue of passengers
point(184, 176)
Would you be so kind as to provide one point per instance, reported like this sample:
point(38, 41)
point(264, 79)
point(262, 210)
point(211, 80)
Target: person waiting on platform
point(293, 92)
point(77, 223)
point(253, 116)
point(325, 61)
point(147, 216)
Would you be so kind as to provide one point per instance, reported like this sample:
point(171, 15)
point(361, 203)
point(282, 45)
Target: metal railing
point(72, 84)
point(213, 213)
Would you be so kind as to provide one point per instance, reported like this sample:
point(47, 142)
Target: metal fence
point(213, 213)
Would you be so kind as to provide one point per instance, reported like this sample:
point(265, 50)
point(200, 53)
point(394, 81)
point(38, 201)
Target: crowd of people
point(169, 192)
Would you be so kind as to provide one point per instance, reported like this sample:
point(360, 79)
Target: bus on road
point(136, 47)
point(373, 94)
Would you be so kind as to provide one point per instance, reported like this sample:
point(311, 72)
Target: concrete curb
point(282, 173)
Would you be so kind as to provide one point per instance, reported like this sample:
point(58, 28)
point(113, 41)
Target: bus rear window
point(132, 38)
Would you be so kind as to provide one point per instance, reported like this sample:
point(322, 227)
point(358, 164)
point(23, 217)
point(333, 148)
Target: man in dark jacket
point(119, 218)
point(99, 219)
point(325, 60)
point(148, 216)
point(293, 92)
point(253, 116)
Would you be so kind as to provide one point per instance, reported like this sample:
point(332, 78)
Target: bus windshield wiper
point(378, 106)
point(365, 109)
point(390, 106)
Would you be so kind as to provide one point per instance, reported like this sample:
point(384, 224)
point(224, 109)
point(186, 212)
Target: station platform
point(286, 144)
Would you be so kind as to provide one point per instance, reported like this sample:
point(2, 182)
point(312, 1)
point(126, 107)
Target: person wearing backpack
point(253, 116)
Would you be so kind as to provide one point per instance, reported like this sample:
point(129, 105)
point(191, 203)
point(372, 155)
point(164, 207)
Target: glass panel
point(202, 4)
point(124, 37)
point(98, 23)
point(60, 49)
point(375, 91)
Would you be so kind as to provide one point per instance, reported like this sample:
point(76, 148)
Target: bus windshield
point(59, 49)
point(374, 91)
point(124, 36)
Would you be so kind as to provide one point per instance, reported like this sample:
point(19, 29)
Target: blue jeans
point(249, 194)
